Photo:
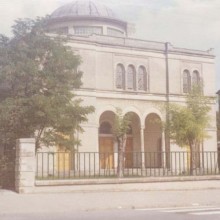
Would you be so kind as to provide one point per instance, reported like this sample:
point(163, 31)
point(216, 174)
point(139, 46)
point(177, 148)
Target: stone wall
point(25, 166)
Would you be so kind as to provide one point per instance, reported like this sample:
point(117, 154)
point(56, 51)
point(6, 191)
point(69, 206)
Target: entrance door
point(153, 155)
point(62, 160)
point(129, 153)
point(153, 141)
point(106, 156)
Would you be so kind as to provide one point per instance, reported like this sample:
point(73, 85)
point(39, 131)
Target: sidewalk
point(60, 199)
point(125, 185)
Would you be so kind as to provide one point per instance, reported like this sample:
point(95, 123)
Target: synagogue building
point(137, 76)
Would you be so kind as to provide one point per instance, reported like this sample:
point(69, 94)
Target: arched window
point(105, 128)
point(120, 77)
point(131, 76)
point(142, 78)
point(195, 78)
point(186, 81)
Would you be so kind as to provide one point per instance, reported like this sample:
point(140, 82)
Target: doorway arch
point(106, 140)
point(153, 141)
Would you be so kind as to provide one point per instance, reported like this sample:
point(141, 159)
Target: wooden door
point(153, 150)
point(62, 160)
point(106, 153)
point(129, 153)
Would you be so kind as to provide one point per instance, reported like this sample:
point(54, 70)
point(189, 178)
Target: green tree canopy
point(187, 124)
point(38, 75)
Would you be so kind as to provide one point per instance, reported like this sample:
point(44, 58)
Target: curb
point(126, 185)
point(123, 181)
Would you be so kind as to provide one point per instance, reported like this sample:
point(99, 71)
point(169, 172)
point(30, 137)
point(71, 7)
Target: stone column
point(164, 150)
point(25, 165)
point(142, 148)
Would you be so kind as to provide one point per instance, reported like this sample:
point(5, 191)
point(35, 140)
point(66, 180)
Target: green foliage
point(38, 75)
point(188, 123)
point(121, 123)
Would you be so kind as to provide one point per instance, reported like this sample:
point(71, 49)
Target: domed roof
point(82, 8)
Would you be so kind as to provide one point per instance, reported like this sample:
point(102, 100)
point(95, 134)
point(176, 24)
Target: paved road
point(180, 213)
point(65, 202)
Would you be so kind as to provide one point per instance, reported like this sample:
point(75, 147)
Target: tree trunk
point(192, 158)
point(121, 150)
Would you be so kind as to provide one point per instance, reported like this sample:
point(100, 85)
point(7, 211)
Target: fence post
point(25, 165)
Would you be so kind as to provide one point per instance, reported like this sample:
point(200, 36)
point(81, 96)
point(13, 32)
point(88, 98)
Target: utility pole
point(167, 132)
point(218, 93)
point(218, 115)
point(218, 142)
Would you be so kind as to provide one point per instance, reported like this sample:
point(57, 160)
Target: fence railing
point(73, 165)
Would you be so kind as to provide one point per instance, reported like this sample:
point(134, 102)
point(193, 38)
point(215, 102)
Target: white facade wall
point(100, 56)
point(99, 89)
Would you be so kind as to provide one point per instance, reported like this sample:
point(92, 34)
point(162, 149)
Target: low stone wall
point(40, 183)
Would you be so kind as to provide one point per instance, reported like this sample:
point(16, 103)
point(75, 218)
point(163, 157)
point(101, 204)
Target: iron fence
point(73, 165)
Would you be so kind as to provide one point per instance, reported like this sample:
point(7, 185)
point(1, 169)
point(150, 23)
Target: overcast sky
point(191, 24)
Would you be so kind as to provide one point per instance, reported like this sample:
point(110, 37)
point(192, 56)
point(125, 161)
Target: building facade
point(134, 75)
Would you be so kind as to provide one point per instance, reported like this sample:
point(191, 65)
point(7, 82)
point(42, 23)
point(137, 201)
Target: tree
point(187, 124)
point(38, 75)
point(120, 130)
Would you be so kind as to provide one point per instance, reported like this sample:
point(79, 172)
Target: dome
point(86, 17)
point(83, 8)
